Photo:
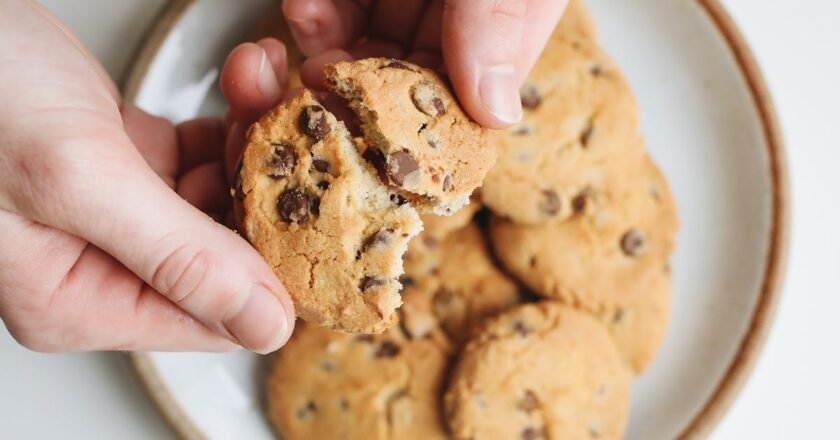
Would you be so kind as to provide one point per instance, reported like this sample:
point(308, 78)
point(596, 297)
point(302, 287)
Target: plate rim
point(751, 344)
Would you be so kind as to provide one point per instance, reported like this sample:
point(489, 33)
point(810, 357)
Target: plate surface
point(708, 124)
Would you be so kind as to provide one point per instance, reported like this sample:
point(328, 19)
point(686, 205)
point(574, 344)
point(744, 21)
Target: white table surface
point(793, 392)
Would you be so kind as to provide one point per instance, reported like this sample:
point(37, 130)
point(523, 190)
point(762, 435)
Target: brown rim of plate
point(753, 340)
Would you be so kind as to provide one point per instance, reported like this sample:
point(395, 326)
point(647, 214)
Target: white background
point(793, 392)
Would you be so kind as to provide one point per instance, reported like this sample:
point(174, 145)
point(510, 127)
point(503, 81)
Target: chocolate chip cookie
point(539, 371)
point(422, 142)
point(318, 214)
point(330, 385)
point(622, 233)
point(459, 279)
point(577, 19)
point(580, 120)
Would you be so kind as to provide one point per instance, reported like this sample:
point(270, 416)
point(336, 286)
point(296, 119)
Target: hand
point(488, 46)
point(101, 248)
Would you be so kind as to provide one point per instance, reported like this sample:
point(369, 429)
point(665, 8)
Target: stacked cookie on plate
point(525, 314)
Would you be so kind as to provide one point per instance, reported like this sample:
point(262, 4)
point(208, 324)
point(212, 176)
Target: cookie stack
point(525, 314)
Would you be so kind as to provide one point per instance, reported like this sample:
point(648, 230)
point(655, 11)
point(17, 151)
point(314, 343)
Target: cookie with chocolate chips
point(622, 234)
point(317, 213)
point(579, 123)
point(330, 385)
point(539, 371)
point(422, 142)
point(459, 279)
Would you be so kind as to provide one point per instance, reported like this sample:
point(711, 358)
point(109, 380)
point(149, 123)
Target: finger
point(312, 70)
point(249, 82)
point(321, 25)
point(206, 188)
point(431, 60)
point(200, 141)
point(378, 48)
point(397, 20)
point(62, 294)
point(155, 139)
point(278, 57)
point(103, 193)
point(483, 46)
point(427, 37)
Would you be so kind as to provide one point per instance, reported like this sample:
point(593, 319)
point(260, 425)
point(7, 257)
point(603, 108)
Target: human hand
point(101, 248)
point(488, 46)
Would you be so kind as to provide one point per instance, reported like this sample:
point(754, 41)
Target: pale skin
point(109, 216)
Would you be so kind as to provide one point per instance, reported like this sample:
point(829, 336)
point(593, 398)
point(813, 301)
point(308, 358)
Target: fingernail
point(499, 93)
point(267, 79)
point(305, 27)
point(261, 325)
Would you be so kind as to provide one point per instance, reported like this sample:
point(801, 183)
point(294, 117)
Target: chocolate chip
point(447, 183)
point(293, 206)
point(377, 240)
point(596, 70)
point(426, 96)
point(550, 203)
point(237, 181)
point(618, 315)
point(402, 167)
point(429, 241)
point(398, 199)
point(306, 411)
point(327, 366)
point(315, 206)
point(521, 329)
point(586, 135)
point(313, 122)
point(396, 64)
point(282, 161)
point(321, 165)
point(529, 402)
point(523, 130)
point(377, 159)
point(344, 404)
point(530, 97)
point(407, 281)
point(365, 338)
point(579, 202)
point(532, 433)
point(369, 282)
point(324, 185)
point(423, 126)
point(533, 261)
point(632, 243)
point(387, 349)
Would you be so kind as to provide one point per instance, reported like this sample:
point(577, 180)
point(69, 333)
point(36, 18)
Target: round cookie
point(459, 279)
point(330, 385)
point(318, 214)
point(639, 327)
point(539, 371)
point(623, 233)
point(580, 120)
point(422, 141)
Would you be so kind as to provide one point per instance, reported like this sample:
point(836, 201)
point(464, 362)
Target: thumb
point(489, 46)
point(107, 195)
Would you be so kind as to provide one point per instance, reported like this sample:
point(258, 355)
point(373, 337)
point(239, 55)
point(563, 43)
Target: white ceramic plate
point(709, 125)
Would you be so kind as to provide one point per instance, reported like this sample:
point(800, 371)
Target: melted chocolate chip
point(398, 199)
point(426, 97)
point(596, 70)
point(321, 165)
point(579, 202)
point(632, 243)
point(550, 203)
point(315, 206)
point(586, 135)
point(396, 64)
point(323, 185)
point(378, 240)
point(377, 159)
point(369, 282)
point(402, 167)
point(282, 161)
point(293, 206)
point(313, 122)
point(530, 97)
point(387, 349)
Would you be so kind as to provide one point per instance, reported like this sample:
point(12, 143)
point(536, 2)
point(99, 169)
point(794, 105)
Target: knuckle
point(182, 272)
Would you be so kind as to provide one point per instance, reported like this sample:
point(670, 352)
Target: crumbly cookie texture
point(330, 385)
point(622, 233)
point(459, 280)
point(539, 371)
point(639, 327)
point(442, 225)
point(580, 120)
point(422, 141)
point(315, 210)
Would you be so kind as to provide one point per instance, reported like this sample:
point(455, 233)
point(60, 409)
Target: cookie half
point(422, 142)
point(330, 385)
point(622, 234)
point(540, 371)
point(318, 214)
